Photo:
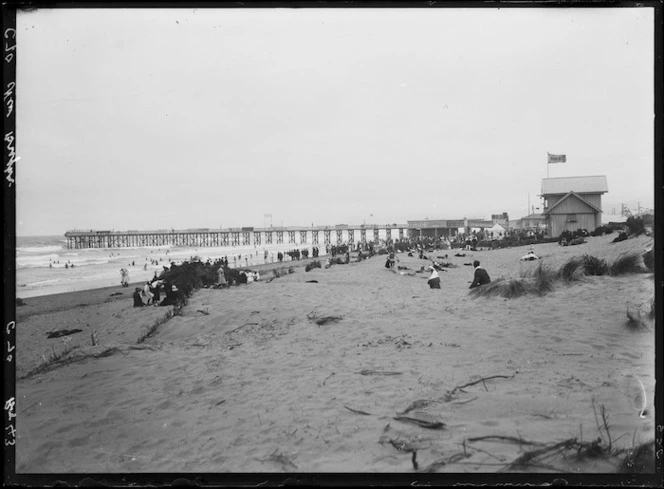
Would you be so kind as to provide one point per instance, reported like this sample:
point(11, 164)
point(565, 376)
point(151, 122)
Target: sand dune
point(246, 381)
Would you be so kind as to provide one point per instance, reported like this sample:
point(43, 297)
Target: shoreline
point(264, 267)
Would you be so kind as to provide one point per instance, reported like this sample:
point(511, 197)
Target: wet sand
point(245, 380)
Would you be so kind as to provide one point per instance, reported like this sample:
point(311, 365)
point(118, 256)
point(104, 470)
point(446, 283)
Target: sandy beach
point(246, 380)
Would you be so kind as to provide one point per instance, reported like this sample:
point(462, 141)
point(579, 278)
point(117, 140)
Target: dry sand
point(245, 381)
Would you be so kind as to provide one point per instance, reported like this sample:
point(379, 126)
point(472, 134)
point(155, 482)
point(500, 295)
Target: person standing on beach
point(124, 277)
point(481, 276)
point(434, 279)
point(147, 294)
point(221, 277)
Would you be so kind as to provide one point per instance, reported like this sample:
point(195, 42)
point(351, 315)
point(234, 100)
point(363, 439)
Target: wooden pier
point(246, 236)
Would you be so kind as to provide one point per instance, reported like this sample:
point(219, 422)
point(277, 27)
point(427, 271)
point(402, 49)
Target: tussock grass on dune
point(594, 266)
point(543, 279)
point(572, 270)
point(625, 264)
point(507, 288)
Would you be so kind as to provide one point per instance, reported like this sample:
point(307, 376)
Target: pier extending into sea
point(245, 236)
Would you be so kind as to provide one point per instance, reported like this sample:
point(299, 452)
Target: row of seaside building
point(570, 203)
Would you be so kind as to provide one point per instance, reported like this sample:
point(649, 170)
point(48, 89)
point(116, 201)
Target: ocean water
point(41, 260)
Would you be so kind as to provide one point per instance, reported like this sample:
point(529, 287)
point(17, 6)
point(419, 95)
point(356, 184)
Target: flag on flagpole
point(557, 158)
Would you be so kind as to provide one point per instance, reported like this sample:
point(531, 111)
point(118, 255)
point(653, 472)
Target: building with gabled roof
point(572, 203)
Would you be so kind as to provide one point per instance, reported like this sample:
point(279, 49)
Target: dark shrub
point(312, 265)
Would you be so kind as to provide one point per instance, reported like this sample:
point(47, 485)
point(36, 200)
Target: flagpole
point(547, 165)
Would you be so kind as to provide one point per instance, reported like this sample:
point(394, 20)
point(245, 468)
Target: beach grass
point(506, 288)
point(54, 359)
point(543, 279)
point(625, 264)
point(571, 270)
point(594, 266)
point(176, 311)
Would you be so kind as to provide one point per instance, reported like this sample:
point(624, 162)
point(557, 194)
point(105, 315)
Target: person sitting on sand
point(434, 279)
point(138, 300)
point(530, 256)
point(481, 276)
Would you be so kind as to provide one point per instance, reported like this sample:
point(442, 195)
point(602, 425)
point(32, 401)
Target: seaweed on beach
point(424, 423)
point(62, 332)
point(321, 320)
point(367, 371)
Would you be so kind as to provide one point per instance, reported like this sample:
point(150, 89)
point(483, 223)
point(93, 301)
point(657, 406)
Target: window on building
point(571, 217)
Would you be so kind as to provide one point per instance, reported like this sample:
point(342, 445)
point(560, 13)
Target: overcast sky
point(183, 118)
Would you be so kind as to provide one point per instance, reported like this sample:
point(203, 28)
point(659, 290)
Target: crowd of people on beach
point(218, 274)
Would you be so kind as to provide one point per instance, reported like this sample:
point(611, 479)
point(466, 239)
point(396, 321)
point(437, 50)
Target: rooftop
point(580, 185)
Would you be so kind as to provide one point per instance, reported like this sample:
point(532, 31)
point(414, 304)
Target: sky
point(207, 118)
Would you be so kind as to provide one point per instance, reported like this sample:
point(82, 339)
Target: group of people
point(480, 277)
point(69, 264)
point(296, 254)
point(150, 294)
